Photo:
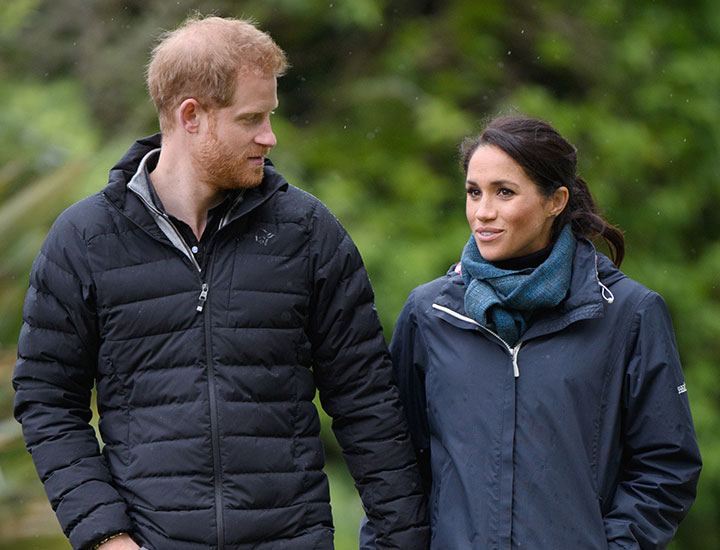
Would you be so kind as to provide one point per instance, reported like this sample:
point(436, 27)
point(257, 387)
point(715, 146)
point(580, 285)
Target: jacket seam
point(91, 283)
point(631, 332)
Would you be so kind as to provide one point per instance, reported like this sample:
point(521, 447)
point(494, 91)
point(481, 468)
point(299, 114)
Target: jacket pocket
point(438, 483)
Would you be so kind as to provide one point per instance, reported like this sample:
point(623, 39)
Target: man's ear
point(189, 115)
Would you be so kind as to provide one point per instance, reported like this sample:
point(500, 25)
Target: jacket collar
point(126, 191)
point(587, 298)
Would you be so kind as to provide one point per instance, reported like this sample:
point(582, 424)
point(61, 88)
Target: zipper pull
point(202, 298)
point(514, 352)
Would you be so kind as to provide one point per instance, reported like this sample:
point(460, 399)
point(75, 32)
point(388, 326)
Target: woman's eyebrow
point(495, 183)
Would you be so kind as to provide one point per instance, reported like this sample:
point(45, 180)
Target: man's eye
point(251, 119)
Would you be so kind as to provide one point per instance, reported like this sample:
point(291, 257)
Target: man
point(207, 299)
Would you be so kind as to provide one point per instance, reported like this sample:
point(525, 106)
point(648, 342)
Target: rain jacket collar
point(587, 297)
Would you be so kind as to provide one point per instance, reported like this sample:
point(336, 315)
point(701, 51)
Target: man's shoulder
point(302, 197)
point(290, 200)
point(86, 217)
point(299, 205)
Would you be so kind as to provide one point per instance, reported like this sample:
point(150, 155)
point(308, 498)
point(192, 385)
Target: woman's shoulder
point(448, 288)
point(625, 289)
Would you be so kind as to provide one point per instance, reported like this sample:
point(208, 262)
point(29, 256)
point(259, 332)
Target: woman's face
point(508, 215)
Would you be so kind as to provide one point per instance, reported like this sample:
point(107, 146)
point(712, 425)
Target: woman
point(543, 386)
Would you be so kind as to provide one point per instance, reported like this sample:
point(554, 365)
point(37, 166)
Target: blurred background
point(379, 96)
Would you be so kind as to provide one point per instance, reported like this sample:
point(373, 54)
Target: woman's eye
point(505, 192)
point(473, 192)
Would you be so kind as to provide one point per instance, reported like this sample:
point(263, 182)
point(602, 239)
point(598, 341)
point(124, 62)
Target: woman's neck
point(533, 259)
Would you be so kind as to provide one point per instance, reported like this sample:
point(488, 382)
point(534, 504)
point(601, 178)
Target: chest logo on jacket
point(263, 237)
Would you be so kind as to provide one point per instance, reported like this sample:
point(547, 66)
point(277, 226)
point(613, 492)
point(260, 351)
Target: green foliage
point(379, 95)
point(13, 14)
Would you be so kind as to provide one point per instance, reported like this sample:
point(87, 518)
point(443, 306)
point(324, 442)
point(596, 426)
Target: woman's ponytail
point(583, 215)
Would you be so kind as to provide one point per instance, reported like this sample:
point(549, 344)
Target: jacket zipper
point(506, 479)
point(513, 351)
point(214, 430)
point(204, 287)
point(202, 298)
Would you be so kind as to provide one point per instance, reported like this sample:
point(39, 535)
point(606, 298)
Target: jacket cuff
point(107, 539)
point(101, 523)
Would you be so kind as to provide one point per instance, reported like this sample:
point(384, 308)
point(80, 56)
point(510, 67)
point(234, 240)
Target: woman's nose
point(485, 209)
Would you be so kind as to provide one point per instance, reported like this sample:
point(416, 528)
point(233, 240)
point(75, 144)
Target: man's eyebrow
point(253, 112)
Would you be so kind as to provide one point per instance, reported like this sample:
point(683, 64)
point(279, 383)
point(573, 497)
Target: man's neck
point(181, 193)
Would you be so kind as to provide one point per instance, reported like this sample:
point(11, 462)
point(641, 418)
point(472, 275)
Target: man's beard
point(225, 169)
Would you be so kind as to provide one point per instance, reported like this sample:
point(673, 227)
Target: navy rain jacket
point(579, 437)
point(206, 378)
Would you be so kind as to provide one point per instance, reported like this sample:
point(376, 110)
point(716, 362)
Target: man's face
point(231, 153)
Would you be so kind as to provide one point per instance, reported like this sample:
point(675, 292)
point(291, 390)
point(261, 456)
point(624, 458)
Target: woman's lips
point(487, 235)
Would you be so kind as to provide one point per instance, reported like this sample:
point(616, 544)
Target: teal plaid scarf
point(503, 300)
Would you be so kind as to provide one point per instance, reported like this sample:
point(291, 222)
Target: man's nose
point(266, 137)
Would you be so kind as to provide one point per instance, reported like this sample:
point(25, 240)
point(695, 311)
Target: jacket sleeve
point(53, 379)
point(407, 351)
point(353, 373)
point(661, 460)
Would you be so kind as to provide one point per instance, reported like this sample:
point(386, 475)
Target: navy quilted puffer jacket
point(205, 378)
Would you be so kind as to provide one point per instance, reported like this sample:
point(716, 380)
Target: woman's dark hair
point(551, 162)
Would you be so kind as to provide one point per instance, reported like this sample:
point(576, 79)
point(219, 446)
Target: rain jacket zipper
point(506, 479)
point(513, 351)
